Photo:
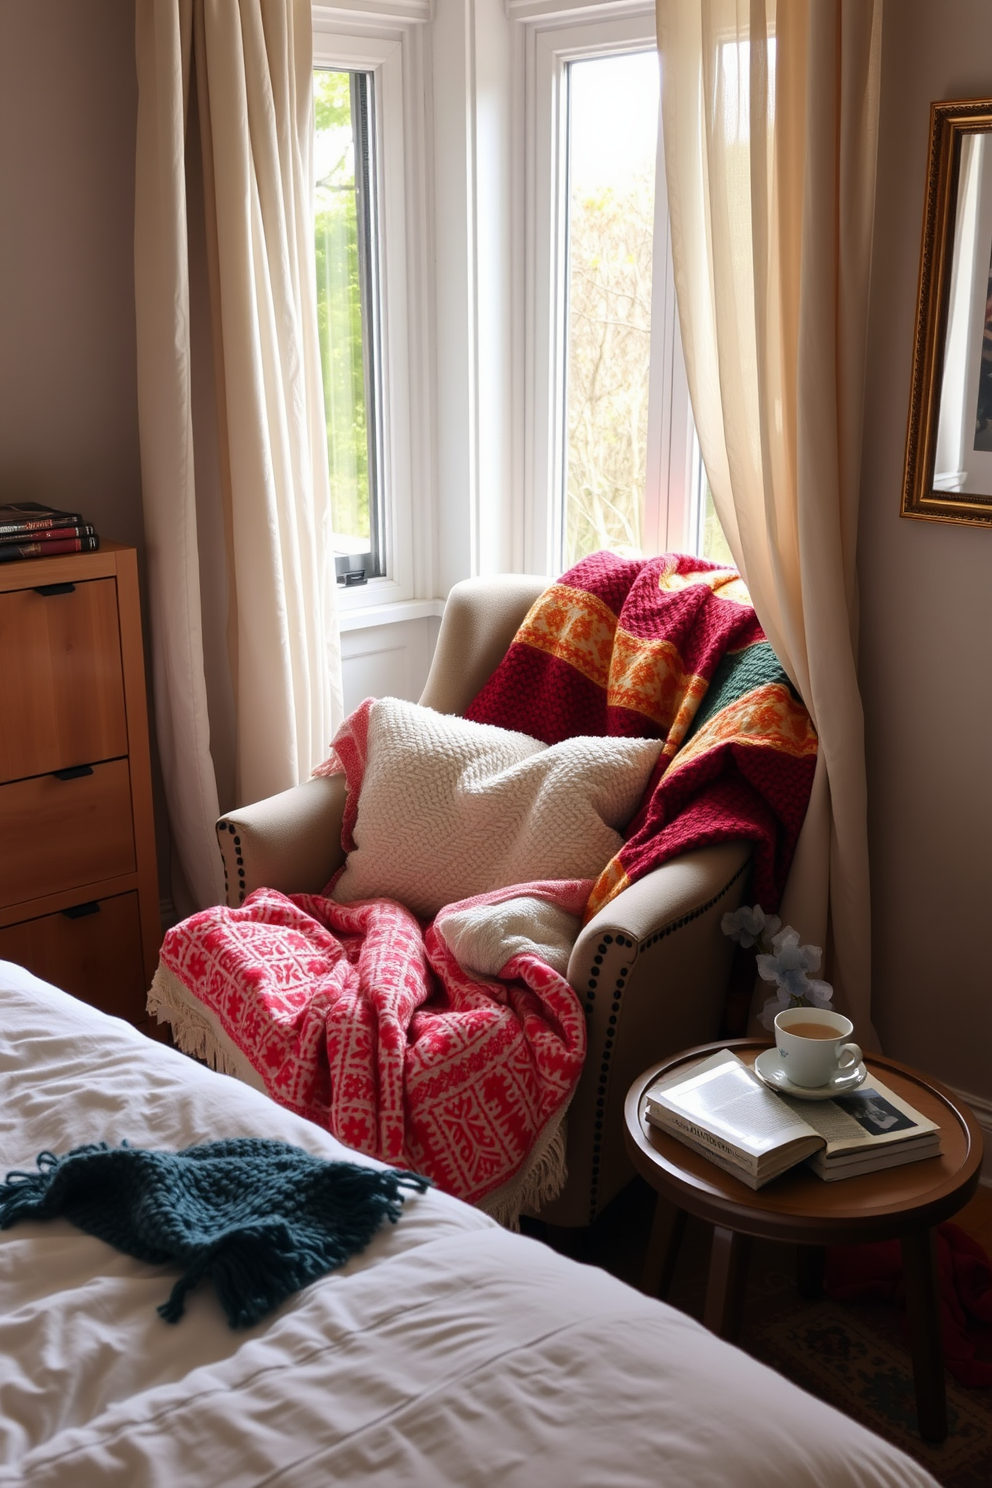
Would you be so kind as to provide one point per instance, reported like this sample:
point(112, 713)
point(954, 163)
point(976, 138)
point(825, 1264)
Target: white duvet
point(450, 1352)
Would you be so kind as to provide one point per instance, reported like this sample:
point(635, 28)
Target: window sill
point(390, 613)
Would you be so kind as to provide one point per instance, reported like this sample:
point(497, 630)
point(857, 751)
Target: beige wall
point(926, 616)
point(68, 411)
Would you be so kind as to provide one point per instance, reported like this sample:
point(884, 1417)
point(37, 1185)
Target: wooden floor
point(976, 1218)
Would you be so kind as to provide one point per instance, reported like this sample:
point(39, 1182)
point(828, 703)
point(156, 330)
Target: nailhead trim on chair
point(239, 856)
point(591, 987)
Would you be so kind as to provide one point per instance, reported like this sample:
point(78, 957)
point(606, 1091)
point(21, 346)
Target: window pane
point(714, 544)
point(612, 142)
point(345, 308)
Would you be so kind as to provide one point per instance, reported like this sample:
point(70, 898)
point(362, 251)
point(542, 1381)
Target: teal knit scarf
point(260, 1218)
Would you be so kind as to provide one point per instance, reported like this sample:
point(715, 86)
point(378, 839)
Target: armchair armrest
point(290, 842)
point(652, 969)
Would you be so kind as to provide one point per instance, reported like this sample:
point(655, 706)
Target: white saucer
point(769, 1067)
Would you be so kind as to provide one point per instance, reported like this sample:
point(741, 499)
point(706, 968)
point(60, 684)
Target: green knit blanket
point(261, 1218)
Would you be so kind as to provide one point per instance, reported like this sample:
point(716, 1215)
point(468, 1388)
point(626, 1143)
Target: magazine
point(21, 518)
point(722, 1109)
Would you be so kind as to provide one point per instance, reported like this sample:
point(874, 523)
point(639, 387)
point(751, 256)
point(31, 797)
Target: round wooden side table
point(903, 1203)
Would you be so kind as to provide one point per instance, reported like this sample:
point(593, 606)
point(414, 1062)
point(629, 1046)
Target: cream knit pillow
point(449, 809)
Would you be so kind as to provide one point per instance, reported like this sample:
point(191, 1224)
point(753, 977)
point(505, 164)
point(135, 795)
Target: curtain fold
point(770, 119)
point(234, 476)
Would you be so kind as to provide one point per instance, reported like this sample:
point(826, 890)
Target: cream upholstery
point(290, 842)
point(481, 617)
point(651, 967)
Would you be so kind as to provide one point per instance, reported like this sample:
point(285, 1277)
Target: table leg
point(923, 1306)
point(811, 1262)
point(662, 1253)
point(727, 1280)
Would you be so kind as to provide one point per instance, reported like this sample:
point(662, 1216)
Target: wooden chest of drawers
point(78, 881)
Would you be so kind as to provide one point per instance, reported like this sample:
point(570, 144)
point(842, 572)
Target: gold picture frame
point(948, 470)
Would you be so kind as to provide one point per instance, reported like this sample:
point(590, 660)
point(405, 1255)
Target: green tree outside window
point(339, 304)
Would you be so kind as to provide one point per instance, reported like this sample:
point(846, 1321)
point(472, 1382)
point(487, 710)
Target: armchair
point(651, 968)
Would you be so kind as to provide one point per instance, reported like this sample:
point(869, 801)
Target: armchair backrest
point(481, 617)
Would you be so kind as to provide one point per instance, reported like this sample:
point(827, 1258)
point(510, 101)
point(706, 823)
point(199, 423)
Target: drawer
point(92, 951)
point(61, 684)
point(63, 834)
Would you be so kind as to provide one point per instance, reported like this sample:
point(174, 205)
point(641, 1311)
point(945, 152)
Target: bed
point(451, 1351)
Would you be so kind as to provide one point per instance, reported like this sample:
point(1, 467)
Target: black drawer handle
point(74, 772)
point(47, 589)
point(78, 911)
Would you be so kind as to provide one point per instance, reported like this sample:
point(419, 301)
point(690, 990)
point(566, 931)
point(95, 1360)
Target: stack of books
point(722, 1109)
point(29, 530)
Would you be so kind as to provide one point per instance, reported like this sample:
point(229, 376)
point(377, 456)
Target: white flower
point(749, 924)
point(791, 963)
point(819, 993)
point(788, 964)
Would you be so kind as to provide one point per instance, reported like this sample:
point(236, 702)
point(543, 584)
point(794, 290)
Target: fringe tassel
point(169, 1002)
point(22, 1193)
point(258, 1267)
point(541, 1181)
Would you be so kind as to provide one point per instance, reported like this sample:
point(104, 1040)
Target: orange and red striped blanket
point(667, 648)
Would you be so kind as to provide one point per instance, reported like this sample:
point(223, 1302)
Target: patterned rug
point(853, 1356)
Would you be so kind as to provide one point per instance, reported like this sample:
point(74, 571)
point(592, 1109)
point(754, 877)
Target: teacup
point(811, 1045)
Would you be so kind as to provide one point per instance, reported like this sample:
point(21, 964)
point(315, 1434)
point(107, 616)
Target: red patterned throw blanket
point(356, 1018)
point(668, 648)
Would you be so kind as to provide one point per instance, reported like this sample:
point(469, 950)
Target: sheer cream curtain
point(770, 116)
point(246, 662)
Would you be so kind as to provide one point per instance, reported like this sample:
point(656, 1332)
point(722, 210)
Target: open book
point(722, 1109)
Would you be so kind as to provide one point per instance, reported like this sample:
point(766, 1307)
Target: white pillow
point(449, 809)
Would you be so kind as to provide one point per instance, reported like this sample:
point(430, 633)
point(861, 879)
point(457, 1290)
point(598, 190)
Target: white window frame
point(388, 43)
point(471, 218)
point(549, 40)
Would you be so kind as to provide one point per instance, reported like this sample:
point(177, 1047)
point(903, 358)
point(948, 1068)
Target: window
point(347, 255)
point(372, 268)
point(612, 126)
point(614, 461)
point(462, 162)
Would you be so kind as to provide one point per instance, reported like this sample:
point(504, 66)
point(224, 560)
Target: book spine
point(698, 1136)
point(39, 524)
point(717, 1158)
point(10, 552)
point(48, 534)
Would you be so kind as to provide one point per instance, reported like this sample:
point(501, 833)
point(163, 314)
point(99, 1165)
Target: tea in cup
point(812, 1045)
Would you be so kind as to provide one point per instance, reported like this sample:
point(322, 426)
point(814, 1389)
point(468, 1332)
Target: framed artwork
point(948, 471)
